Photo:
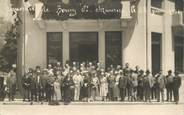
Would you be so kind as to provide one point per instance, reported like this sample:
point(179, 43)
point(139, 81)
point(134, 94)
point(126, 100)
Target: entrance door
point(84, 46)
point(179, 49)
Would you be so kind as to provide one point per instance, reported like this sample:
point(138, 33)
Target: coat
point(161, 81)
point(39, 82)
point(148, 81)
point(68, 84)
point(111, 81)
point(11, 81)
point(32, 83)
point(176, 82)
point(169, 81)
point(26, 81)
point(122, 82)
point(134, 79)
point(85, 90)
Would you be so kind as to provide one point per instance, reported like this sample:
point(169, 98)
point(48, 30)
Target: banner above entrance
point(82, 9)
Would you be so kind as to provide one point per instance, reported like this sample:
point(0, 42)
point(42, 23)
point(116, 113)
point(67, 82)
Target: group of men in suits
point(90, 82)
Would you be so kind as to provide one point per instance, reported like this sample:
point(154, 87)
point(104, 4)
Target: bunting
point(82, 9)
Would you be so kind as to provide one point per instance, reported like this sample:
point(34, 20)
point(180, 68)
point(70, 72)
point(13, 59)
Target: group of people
point(90, 82)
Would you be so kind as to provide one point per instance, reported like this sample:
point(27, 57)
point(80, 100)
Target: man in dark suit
point(122, 86)
point(26, 82)
point(39, 86)
point(33, 87)
point(11, 84)
point(169, 85)
point(2, 87)
point(140, 88)
point(176, 86)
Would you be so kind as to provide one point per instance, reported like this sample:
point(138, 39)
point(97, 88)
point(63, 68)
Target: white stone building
point(149, 34)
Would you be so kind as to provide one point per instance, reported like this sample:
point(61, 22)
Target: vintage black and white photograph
point(91, 57)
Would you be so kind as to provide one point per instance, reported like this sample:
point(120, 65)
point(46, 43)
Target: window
point(113, 48)
point(179, 5)
point(156, 52)
point(54, 47)
point(84, 46)
point(179, 49)
point(157, 3)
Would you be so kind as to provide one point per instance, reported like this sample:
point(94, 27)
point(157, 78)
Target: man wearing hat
point(45, 77)
point(11, 84)
point(140, 88)
point(39, 84)
point(147, 84)
point(122, 85)
point(160, 86)
point(176, 86)
point(169, 85)
point(26, 82)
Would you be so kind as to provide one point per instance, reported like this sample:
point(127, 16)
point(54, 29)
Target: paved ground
point(97, 108)
point(92, 110)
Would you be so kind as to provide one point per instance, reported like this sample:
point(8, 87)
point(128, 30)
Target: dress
point(94, 88)
point(116, 91)
point(103, 86)
point(57, 91)
point(77, 81)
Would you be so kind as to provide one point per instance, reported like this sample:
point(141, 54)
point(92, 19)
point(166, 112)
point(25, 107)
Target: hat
point(170, 71)
point(141, 71)
point(147, 71)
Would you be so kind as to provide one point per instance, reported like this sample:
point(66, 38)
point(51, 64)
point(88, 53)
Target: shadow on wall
point(131, 27)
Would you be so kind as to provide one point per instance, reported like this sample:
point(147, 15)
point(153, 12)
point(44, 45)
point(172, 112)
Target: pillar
point(101, 47)
point(66, 47)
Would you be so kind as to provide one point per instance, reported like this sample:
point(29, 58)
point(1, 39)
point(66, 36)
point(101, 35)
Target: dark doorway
point(179, 50)
point(84, 46)
point(156, 52)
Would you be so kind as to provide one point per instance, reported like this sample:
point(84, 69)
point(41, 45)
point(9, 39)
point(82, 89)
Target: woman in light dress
point(57, 91)
point(103, 86)
point(116, 91)
point(95, 86)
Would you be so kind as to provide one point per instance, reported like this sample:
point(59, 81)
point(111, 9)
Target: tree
point(8, 54)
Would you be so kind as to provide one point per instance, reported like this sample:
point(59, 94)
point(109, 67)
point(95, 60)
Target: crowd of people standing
point(90, 82)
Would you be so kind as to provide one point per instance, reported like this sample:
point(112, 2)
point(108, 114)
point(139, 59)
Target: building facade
point(148, 33)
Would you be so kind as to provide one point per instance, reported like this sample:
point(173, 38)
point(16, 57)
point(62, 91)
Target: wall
point(162, 24)
point(134, 42)
point(35, 43)
point(36, 53)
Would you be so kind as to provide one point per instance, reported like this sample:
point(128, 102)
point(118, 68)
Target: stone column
point(101, 47)
point(167, 39)
point(66, 46)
